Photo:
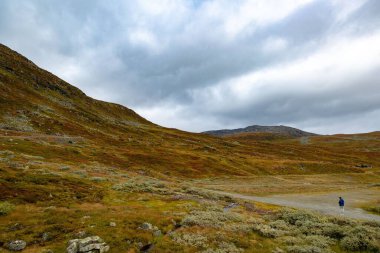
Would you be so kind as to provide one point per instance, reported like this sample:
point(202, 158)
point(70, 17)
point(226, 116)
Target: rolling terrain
point(72, 166)
point(277, 130)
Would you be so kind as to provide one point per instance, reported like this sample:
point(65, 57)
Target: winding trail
point(326, 203)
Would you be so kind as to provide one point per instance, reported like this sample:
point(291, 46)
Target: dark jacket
point(341, 202)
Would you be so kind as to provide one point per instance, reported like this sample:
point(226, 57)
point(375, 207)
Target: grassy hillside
point(72, 166)
point(40, 105)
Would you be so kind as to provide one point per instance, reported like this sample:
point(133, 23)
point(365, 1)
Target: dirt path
point(326, 203)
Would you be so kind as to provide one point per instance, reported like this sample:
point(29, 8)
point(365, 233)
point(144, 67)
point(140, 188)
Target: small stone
point(46, 236)
point(146, 226)
point(73, 246)
point(112, 224)
point(17, 245)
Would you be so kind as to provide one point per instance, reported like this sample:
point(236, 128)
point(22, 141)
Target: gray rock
point(16, 245)
point(93, 246)
point(46, 237)
point(146, 226)
point(89, 240)
point(72, 246)
point(112, 224)
point(87, 245)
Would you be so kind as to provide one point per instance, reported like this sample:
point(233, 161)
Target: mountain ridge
point(280, 130)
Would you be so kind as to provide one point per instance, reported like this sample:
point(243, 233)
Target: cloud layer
point(200, 65)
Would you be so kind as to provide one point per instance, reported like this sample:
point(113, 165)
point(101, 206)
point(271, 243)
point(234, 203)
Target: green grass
point(6, 208)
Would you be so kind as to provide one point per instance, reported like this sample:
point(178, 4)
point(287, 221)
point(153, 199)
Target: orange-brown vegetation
point(71, 164)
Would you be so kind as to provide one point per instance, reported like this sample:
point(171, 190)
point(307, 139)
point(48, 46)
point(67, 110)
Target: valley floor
point(55, 189)
point(325, 203)
point(313, 192)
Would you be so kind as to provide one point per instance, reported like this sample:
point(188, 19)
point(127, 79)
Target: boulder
point(16, 245)
point(87, 245)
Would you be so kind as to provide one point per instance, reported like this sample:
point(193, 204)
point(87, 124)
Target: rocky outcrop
point(16, 245)
point(149, 227)
point(89, 244)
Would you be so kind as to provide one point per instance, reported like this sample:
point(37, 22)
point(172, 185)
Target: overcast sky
point(201, 65)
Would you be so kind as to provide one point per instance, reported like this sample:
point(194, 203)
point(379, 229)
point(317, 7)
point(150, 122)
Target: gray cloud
point(200, 65)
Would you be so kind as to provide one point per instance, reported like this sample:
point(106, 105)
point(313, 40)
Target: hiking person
point(341, 204)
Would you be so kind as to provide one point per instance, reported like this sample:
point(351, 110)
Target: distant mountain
point(281, 130)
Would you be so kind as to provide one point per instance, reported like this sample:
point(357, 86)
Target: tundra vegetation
point(46, 207)
point(73, 167)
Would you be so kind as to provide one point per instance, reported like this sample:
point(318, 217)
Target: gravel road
point(326, 203)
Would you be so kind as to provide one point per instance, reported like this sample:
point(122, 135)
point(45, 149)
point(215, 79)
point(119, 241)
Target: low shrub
point(6, 208)
point(279, 224)
point(224, 247)
point(305, 249)
point(316, 233)
point(362, 238)
point(291, 240)
point(190, 239)
point(333, 231)
point(143, 185)
point(374, 209)
point(206, 194)
point(210, 218)
point(268, 231)
point(98, 179)
point(297, 217)
point(319, 241)
point(239, 227)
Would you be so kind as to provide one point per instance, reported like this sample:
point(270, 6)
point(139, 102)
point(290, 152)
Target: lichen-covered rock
point(46, 236)
point(16, 245)
point(72, 246)
point(87, 245)
point(146, 226)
